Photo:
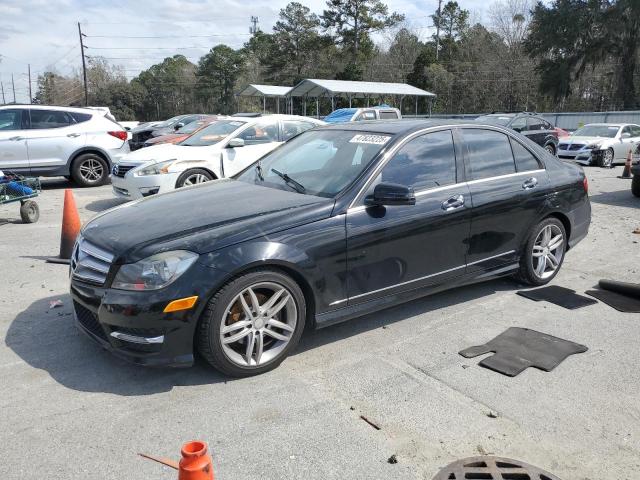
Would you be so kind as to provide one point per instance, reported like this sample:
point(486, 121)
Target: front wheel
point(194, 176)
point(606, 160)
point(252, 324)
point(550, 148)
point(635, 185)
point(543, 253)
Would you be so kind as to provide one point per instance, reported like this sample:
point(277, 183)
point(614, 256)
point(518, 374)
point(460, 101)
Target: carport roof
point(326, 88)
point(255, 90)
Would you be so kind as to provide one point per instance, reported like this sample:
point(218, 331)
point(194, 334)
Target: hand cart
point(15, 188)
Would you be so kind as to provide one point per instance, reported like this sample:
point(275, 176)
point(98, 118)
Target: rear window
point(44, 119)
point(80, 117)
point(525, 161)
point(388, 115)
point(489, 153)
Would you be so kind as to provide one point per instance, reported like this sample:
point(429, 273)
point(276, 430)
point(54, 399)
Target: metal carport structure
point(265, 91)
point(316, 88)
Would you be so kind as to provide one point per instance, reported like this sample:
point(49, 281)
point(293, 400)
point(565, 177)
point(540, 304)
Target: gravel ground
point(70, 410)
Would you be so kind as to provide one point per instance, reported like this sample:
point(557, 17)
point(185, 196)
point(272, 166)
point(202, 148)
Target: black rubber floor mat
point(620, 302)
point(625, 288)
point(517, 349)
point(565, 297)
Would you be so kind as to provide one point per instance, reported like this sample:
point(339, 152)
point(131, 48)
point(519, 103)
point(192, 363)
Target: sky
point(44, 33)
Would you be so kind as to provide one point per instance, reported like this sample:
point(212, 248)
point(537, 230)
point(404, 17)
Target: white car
point(220, 150)
point(603, 144)
point(78, 143)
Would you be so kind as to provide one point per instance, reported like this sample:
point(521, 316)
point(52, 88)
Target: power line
point(170, 36)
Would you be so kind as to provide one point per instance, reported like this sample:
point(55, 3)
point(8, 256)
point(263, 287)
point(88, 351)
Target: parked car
point(381, 112)
point(129, 125)
point(602, 144)
point(144, 132)
point(217, 151)
point(339, 222)
point(182, 133)
point(528, 124)
point(562, 133)
point(183, 121)
point(78, 143)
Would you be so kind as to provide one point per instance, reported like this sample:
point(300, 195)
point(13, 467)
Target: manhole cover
point(492, 468)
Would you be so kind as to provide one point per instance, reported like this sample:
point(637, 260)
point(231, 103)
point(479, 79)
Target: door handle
point(453, 203)
point(15, 139)
point(73, 135)
point(530, 183)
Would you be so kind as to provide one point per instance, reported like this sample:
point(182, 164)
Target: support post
point(349, 101)
point(2, 88)
point(84, 67)
point(264, 104)
point(416, 106)
point(29, 73)
point(13, 87)
point(333, 107)
point(317, 108)
point(277, 104)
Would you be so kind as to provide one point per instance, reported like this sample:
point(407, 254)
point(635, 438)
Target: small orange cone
point(70, 228)
point(195, 464)
point(626, 173)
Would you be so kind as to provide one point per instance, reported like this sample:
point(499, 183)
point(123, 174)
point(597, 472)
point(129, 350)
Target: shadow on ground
point(105, 204)
point(47, 339)
point(619, 198)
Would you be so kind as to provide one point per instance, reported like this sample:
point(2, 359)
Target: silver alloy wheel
point(607, 158)
point(548, 250)
point(195, 179)
point(91, 170)
point(258, 324)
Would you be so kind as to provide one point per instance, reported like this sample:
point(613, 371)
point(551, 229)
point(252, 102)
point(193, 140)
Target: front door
point(396, 248)
point(259, 139)
point(13, 142)
point(506, 200)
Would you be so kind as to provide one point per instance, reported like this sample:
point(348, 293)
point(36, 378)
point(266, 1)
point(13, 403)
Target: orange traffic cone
point(195, 464)
point(626, 173)
point(70, 228)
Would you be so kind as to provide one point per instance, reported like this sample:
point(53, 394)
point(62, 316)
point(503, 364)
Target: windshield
point(168, 123)
point(494, 119)
point(317, 162)
point(213, 133)
point(192, 127)
point(607, 131)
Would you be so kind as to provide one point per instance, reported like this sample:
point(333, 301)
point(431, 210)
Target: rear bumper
point(580, 219)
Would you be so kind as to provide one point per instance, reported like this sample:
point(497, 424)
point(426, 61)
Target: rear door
point(260, 137)
point(52, 138)
point(626, 142)
point(397, 248)
point(506, 200)
point(13, 141)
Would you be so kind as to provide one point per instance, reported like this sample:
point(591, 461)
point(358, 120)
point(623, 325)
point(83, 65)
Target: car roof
point(54, 107)
point(397, 127)
point(609, 124)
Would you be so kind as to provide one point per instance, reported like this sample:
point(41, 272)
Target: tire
point(635, 185)
point(193, 176)
point(90, 170)
point(550, 148)
point(232, 357)
point(29, 211)
point(606, 160)
point(530, 271)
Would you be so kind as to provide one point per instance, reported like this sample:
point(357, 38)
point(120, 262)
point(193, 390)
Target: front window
point(317, 162)
point(495, 119)
point(10, 119)
point(606, 131)
point(213, 134)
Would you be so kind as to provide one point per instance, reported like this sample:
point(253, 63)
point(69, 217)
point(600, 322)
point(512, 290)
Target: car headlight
point(594, 146)
point(155, 169)
point(154, 272)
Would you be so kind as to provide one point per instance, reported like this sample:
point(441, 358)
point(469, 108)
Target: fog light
point(146, 191)
point(181, 304)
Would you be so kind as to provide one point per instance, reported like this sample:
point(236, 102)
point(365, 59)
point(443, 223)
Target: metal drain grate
point(492, 468)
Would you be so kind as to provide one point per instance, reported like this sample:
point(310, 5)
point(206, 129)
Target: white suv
point(219, 150)
point(78, 143)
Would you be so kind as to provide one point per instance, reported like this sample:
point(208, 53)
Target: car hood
point(169, 151)
point(585, 140)
point(201, 219)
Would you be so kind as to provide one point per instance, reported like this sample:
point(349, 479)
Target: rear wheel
point(194, 176)
point(635, 185)
point(90, 170)
point(29, 211)
point(252, 324)
point(543, 253)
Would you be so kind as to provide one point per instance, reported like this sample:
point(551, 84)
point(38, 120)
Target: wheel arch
point(206, 169)
point(84, 150)
point(565, 222)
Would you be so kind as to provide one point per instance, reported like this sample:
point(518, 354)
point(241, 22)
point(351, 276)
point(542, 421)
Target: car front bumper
point(583, 157)
point(132, 324)
point(133, 187)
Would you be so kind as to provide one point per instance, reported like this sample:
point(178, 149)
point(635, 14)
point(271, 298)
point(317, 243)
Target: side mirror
point(391, 194)
point(625, 135)
point(235, 143)
point(178, 126)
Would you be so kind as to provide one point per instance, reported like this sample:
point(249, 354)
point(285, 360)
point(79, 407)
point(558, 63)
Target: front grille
point(563, 146)
point(90, 263)
point(121, 170)
point(576, 146)
point(89, 321)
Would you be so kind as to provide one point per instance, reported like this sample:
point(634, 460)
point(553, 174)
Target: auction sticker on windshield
point(370, 139)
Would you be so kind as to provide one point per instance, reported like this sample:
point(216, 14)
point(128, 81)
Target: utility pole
point(253, 29)
point(438, 30)
point(29, 73)
point(13, 86)
point(84, 67)
point(2, 88)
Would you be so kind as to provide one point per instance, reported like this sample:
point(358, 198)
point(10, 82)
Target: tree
point(568, 36)
point(217, 73)
point(510, 19)
point(453, 21)
point(355, 20)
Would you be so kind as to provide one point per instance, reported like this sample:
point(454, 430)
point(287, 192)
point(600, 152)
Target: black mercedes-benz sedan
point(339, 222)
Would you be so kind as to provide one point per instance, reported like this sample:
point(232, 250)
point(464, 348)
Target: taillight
point(120, 134)
point(585, 185)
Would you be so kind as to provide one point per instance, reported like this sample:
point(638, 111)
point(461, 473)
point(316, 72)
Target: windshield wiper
point(290, 181)
point(259, 171)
